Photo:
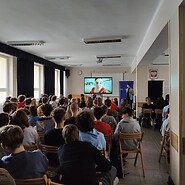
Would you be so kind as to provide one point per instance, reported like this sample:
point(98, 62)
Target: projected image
point(102, 85)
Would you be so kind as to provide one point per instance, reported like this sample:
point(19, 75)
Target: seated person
point(127, 125)
point(20, 164)
point(33, 118)
point(53, 136)
point(79, 160)
point(85, 123)
point(20, 118)
point(147, 105)
point(99, 124)
point(166, 124)
point(45, 122)
point(108, 119)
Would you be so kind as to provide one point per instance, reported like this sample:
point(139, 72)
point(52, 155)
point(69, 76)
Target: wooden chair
point(137, 137)
point(6, 178)
point(41, 136)
point(165, 148)
point(31, 147)
point(36, 181)
point(108, 139)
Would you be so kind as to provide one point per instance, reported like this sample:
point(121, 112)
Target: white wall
point(174, 95)
point(75, 82)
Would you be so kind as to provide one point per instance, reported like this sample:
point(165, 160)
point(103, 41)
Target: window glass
point(3, 72)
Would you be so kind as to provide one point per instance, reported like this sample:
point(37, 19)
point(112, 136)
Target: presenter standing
point(129, 95)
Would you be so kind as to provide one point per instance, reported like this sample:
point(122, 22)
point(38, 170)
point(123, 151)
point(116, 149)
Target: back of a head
point(20, 118)
point(33, 110)
point(85, 121)
point(47, 109)
point(53, 98)
point(70, 133)
point(74, 107)
point(98, 112)
point(8, 107)
point(45, 99)
point(4, 119)
point(11, 136)
point(108, 102)
point(28, 101)
point(21, 98)
point(105, 109)
point(61, 101)
point(58, 114)
point(127, 110)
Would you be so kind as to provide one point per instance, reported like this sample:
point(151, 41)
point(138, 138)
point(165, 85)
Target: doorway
point(155, 89)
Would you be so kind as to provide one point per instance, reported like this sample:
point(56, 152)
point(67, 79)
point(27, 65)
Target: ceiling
point(63, 24)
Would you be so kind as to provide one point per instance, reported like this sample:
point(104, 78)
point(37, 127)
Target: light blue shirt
point(95, 138)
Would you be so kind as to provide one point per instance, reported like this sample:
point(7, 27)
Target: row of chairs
point(7, 179)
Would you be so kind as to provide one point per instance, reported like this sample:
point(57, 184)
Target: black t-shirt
point(77, 163)
point(53, 137)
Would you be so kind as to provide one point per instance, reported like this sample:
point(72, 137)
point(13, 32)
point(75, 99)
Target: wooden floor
point(155, 173)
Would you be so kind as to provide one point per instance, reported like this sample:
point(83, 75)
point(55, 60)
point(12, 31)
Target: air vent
point(26, 43)
point(100, 40)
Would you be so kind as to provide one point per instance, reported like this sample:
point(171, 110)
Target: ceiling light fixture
point(98, 40)
point(57, 57)
point(26, 43)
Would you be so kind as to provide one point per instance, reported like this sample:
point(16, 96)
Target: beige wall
point(174, 95)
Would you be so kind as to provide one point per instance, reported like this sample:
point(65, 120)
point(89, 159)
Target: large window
point(4, 79)
point(38, 80)
point(57, 82)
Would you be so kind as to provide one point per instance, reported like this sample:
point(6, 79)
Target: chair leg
point(122, 167)
point(161, 151)
point(136, 159)
point(142, 164)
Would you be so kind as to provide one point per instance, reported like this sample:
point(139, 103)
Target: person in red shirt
point(99, 124)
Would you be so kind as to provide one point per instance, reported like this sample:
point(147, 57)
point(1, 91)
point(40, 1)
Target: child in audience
point(21, 164)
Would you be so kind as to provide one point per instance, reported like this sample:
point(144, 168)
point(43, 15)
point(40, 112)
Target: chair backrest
point(48, 149)
point(34, 181)
point(136, 136)
point(108, 139)
point(31, 147)
point(6, 178)
point(41, 135)
point(145, 111)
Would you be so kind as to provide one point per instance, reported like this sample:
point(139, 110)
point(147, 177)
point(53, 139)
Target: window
point(57, 82)
point(38, 80)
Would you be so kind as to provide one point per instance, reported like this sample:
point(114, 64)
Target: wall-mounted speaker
point(67, 73)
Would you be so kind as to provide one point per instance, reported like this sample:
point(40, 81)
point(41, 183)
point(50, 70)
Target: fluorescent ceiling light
point(26, 43)
point(98, 40)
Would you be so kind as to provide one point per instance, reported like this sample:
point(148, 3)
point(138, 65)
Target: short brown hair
point(85, 121)
point(58, 114)
point(20, 118)
point(11, 136)
point(70, 133)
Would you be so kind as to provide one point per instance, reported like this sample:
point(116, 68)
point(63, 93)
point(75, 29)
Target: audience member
point(33, 118)
point(20, 118)
point(108, 119)
point(79, 161)
point(21, 164)
point(54, 102)
point(45, 122)
point(85, 123)
point(53, 136)
point(21, 101)
point(4, 119)
point(111, 112)
point(40, 107)
point(166, 124)
point(127, 125)
point(74, 109)
point(99, 124)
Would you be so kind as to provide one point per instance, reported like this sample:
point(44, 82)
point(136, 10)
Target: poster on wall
point(153, 73)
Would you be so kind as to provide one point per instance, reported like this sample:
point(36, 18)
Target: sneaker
point(116, 181)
